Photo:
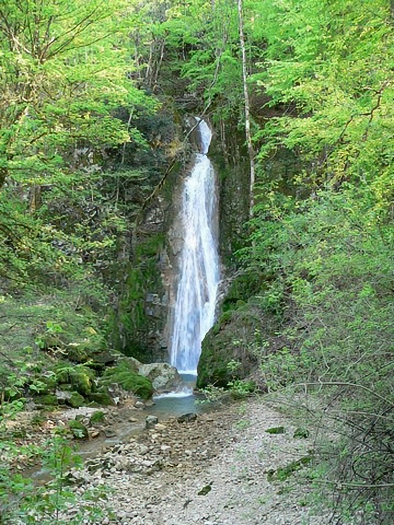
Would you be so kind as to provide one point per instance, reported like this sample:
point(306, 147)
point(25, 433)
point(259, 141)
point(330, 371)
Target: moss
point(47, 400)
point(241, 289)
point(132, 325)
point(76, 400)
point(225, 342)
point(125, 376)
point(80, 377)
point(100, 398)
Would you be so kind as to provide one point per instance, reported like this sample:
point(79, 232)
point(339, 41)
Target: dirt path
point(217, 470)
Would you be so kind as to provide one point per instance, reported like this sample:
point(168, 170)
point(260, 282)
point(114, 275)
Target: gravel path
point(212, 471)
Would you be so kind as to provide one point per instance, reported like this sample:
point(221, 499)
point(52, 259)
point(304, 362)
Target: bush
point(332, 257)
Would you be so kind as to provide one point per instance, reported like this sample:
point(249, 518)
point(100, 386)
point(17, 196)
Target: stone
point(143, 449)
point(151, 421)
point(62, 396)
point(105, 358)
point(109, 433)
point(76, 400)
point(159, 426)
point(102, 398)
point(186, 418)
point(164, 377)
point(125, 376)
point(47, 400)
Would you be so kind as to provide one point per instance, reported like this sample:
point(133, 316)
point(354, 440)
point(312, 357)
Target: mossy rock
point(82, 378)
point(78, 430)
point(225, 343)
point(241, 289)
point(77, 354)
point(46, 400)
point(125, 376)
point(103, 359)
point(76, 400)
point(101, 398)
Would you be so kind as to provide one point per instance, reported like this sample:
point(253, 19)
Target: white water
point(199, 262)
point(184, 391)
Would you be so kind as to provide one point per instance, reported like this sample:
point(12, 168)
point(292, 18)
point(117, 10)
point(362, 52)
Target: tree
point(62, 73)
point(246, 103)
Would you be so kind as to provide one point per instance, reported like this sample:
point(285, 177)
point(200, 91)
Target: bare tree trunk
point(34, 198)
point(3, 176)
point(158, 65)
point(247, 104)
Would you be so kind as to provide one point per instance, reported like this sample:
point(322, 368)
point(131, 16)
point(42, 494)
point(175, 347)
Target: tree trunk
point(247, 104)
point(3, 176)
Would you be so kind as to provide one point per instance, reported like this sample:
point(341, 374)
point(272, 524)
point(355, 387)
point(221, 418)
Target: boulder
point(163, 376)
point(102, 398)
point(46, 400)
point(76, 400)
point(151, 421)
point(62, 396)
point(186, 418)
point(224, 343)
point(124, 376)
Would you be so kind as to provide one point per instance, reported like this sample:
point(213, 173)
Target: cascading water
point(199, 262)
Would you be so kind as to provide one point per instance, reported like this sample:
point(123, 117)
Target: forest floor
point(223, 468)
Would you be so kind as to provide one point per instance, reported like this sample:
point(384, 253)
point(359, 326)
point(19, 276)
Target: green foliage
point(97, 417)
point(78, 429)
point(54, 96)
point(80, 377)
point(21, 501)
point(282, 473)
point(237, 388)
point(276, 430)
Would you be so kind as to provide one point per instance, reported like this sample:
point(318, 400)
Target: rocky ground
point(222, 468)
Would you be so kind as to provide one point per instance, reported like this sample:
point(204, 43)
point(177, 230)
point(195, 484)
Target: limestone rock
point(164, 377)
point(62, 396)
point(185, 418)
point(151, 421)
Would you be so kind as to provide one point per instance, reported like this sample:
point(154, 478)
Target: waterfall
point(199, 267)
